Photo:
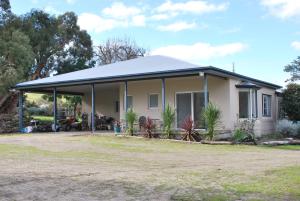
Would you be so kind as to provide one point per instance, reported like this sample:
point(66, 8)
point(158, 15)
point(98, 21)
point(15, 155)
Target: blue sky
point(259, 36)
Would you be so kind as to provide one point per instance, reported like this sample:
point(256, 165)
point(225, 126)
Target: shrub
point(168, 120)
point(37, 111)
point(288, 128)
point(188, 127)
point(211, 116)
point(149, 126)
point(247, 127)
point(131, 117)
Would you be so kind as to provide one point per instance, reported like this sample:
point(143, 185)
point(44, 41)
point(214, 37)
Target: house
point(148, 84)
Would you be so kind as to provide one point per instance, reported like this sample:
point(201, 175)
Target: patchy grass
point(128, 168)
point(278, 182)
point(284, 147)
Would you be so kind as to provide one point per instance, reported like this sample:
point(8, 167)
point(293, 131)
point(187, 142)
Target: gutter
point(152, 75)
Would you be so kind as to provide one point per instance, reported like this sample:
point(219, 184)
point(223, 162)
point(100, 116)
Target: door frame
point(192, 104)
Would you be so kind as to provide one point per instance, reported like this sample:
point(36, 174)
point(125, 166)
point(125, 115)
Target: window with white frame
point(266, 103)
point(153, 101)
point(248, 103)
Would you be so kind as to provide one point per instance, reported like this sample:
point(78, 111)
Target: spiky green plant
point(168, 120)
point(130, 117)
point(211, 116)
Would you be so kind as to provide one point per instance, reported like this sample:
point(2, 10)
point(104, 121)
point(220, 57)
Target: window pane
point(183, 107)
point(243, 104)
point(266, 105)
point(198, 107)
point(254, 103)
point(153, 100)
point(129, 101)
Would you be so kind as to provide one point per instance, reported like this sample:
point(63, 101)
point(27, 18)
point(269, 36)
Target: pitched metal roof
point(140, 68)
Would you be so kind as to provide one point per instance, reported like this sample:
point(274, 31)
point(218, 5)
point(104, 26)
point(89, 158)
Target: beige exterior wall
point(217, 87)
point(222, 92)
point(105, 102)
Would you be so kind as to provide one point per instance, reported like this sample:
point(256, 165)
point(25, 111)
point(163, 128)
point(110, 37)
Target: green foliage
point(130, 117)
point(57, 42)
point(168, 120)
point(239, 135)
point(291, 101)
point(16, 58)
point(211, 116)
point(294, 69)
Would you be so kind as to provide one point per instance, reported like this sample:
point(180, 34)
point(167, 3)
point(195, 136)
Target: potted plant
point(117, 127)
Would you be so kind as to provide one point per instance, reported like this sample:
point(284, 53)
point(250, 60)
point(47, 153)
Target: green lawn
point(43, 118)
point(125, 168)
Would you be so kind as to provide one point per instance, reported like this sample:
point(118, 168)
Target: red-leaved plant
point(188, 127)
point(149, 126)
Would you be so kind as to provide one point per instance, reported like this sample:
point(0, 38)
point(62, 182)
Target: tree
point(114, 50)
point(16, 58)
point(58, 44)
point(294, 69)
point(291, 101)
point(5, 11)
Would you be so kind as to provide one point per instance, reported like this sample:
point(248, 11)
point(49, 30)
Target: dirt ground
point(85, 167)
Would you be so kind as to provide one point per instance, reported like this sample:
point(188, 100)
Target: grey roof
point(140, 65)
point(139, 68)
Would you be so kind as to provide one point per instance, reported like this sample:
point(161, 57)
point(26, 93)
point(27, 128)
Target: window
point(243, 104)
point(266, 111)
point(248, 103)
point(117, 103)
point(153, 101)
point(129, 102)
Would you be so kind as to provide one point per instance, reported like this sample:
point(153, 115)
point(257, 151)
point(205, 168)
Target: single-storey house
point(148, 84)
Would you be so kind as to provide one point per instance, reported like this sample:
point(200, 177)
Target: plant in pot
point(130, 117)
point(168, 120)
point(149, 127)
point(117, 127)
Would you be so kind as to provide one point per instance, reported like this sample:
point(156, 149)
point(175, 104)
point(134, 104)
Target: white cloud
point(200, 51)
point(50, 9)
point(70, 1)
point(193, 6)
point(119, 10)
point(177, 26)
point(95, 23)
point(138, 20)
point(282, 8)
point(295, 45)
point(160, 17)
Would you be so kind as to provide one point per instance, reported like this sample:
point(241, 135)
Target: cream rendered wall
point(217, 87)
point(263, 125)
point(266, 125)
point(105, 102)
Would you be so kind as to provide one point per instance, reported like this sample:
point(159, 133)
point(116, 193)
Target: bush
point(149, 126)
point(288, 128)
point(37, 111)
point(168, 119)
point(211, 116)
point(241, 136)
point(130, 117)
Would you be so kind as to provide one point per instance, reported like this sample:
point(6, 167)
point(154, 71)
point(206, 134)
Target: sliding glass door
point(184, 107)
point(190, 104)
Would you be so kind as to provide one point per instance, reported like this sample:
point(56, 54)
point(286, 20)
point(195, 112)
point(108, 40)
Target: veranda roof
point(149, 67)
